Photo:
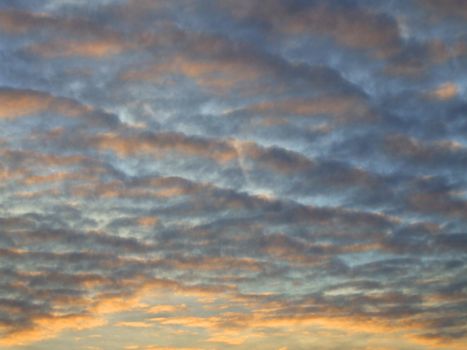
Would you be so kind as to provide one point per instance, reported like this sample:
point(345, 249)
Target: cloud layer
point(254, 174)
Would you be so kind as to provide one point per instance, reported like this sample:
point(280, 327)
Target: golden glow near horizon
point(233, 174)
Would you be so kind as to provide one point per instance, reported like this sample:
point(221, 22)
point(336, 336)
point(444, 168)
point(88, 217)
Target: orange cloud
point(438, 343)
point(160, 145)
point(16, 103)
point(446, 91)
point(232, 328)
point(50, 326)
point(134, 324)
point(93, 48)
point(411, 147)
point(148, 221)
point(153, 347)
point(218, 75)
point(341, 108)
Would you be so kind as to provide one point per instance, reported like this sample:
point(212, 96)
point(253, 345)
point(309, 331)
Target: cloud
point(421, 152)
point(448, 8)
point(20, 103)
point(221, 65)
point(134, 324)
point(255, 175)
point(159, 144)
point(91, 48)
point(347, 24)
point(342, 108)
point(48, 327)
point(17, 103)
point(445, 91)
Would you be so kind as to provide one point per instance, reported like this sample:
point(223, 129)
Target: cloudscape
point(233, 174)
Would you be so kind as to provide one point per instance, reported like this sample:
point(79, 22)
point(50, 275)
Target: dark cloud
point(342, 21)
point(454, 9)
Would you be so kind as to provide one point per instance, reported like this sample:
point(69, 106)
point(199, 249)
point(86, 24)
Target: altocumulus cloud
point(262, 174)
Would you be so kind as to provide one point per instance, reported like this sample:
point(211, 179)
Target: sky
point(233, 174)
